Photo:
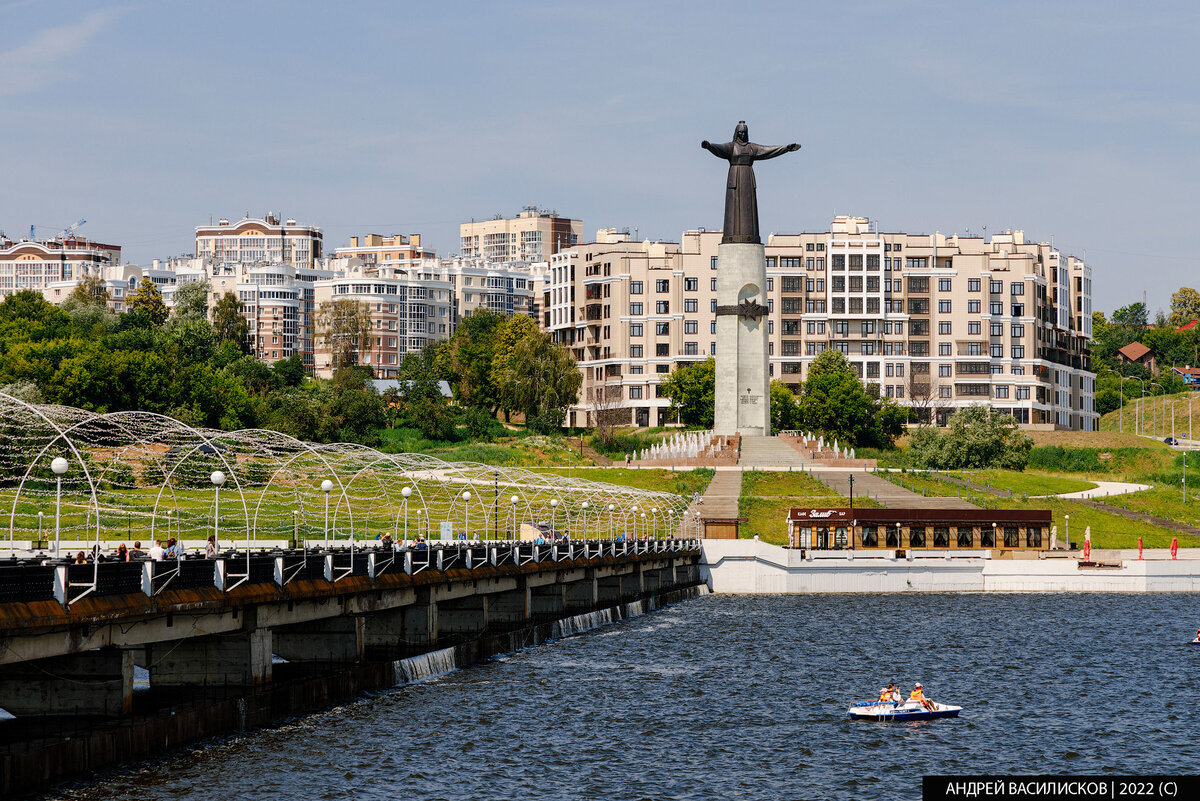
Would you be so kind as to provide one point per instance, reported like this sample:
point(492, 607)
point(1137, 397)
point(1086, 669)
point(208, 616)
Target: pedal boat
point(908, 710)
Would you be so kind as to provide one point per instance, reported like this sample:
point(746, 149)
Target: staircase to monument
point(770, 453)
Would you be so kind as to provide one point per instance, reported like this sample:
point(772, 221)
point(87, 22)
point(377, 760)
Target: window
point(690, 327)
point(996, 307)
point(867, 327)
point(662, 285)
point(635, 329)
point(837, 262)
point(856, 283)
point(973, 306)
point(792, 284)
point(1018, 310)
point(1018, 330)
point(662, 329)
point(635, 287)
point(788, 263)
point(821, 262)
point(839, 305)
point(941, 536)
point(1001, 391)
point(997, 329)
point(916, 536)
point(867, 349)
point(997, 351)
point(635, 393)
point(808, 263)
point(944, 328)
point(945, 392)
point(713, 263)
point(944, 349)
point(945, 370)
point(1022, 393)
point(996, 287)
point(838, 283)
point(841, 327)
point(974, 327)
point(1017, 288)
point(712, 284)
point(1018, 351)
point(966, 537)
point(808, 246)
point(691, 305)
point(712, 306)
point(712, 327)
point(662, 307)
point(920, 285)
point(691, 285)
point(915, 263)
point(943, 285)
point(974, 349)
point(662, 349)
point(691, 349)
point(944, 306)
point(635, 309)
point(635, 351)
point(973, 285)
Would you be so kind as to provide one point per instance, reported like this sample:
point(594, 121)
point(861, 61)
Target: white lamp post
point(671, 516)
point(611, 508)
point(1068, 519)
point(406, 492)
point(654, 521)
point(327, 487)
point(59, 466)
point(634, 511)
point(699, 530)
point(514, 500)
point(41, 520)
point(217, 478)
point(584, 506)
point(466, 496)
point(553, 515)
point(295, 527)
point(993, 535)
point(644, 529)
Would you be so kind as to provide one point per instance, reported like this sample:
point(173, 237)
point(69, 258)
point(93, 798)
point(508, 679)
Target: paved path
point(1103, 489)
point(884, 491)
point(720, 501)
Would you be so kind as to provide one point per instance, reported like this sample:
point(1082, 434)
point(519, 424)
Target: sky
point(1074, 121)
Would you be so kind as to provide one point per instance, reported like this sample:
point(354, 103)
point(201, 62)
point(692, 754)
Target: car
point(1171, 441)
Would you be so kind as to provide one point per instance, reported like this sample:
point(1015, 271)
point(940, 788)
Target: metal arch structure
point(142, 473)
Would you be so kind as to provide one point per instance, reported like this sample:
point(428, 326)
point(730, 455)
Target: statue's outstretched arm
point(720, 151)
point(765, 152)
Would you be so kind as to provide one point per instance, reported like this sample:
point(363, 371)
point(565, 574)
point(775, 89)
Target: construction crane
point(63, 234)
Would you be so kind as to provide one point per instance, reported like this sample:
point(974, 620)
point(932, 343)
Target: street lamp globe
point(59, 465)
point(466, 496)
point(326, 486)
point(217, 478)
point(554, 503)
point(406, 492)
point(514, 500)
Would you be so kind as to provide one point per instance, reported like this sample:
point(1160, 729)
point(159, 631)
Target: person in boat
point(919, 695)
point(890, 693)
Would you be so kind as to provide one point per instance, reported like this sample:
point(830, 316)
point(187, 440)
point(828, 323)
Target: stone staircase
point(770, 453)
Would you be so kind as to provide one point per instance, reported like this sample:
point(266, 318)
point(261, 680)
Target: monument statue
point(743, 397)
point(741, 199)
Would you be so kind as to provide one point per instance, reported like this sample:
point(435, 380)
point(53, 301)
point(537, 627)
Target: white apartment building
point(508, 289)
point(39, 264)
point(278, 303)
point(938, 323)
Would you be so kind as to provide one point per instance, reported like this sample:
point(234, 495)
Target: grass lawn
point(763, 483)
point(1025, 483)
point(680, 482)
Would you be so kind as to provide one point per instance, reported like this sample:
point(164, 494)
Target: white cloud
point(39, 62)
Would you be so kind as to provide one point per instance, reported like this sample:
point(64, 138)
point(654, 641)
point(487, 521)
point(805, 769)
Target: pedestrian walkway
point(720, 501)
point(770, 453)
point(885, 492)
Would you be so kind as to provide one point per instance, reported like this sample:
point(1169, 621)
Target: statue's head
point(741, 133)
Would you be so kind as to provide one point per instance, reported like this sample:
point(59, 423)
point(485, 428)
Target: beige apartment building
point(938, 323)
point(533, 235)
point(262, 240)
point(41, 265)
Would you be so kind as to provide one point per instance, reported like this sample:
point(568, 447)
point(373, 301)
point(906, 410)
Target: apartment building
point(508, 289)
point(278, 302)
point(533, 235)
point(260, 240)
point(938, 323)
point(408, 307)
point(40, 264)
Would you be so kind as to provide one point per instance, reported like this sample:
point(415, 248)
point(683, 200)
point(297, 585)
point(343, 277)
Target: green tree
point(785, 412)
point(191, 300)
point(975, 438)
point(836, 403)
point(466, 360)
point(148, 300)
point(230, 324)
point(508, 337)
point(1185, 306)
point(692, 390)
point(1132, 316)
point(544, 380)
point(90, 291)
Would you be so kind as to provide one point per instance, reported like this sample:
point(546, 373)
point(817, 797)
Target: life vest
point(917, 695)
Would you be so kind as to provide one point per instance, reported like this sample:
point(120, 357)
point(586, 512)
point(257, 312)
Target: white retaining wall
point(750, 566)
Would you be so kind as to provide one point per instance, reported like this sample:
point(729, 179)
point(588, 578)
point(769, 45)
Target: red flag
point(1174, 546)
point(1139, 549)
point(1087, 550)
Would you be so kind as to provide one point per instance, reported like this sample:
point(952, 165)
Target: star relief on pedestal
point(747, 308)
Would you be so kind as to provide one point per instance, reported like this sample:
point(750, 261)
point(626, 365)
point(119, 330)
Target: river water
point(745, 697)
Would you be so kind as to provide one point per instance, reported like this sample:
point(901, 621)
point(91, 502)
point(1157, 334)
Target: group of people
point(892, 694)
point(173, 549)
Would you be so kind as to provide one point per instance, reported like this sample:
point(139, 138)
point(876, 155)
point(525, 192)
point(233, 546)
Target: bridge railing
point(29, 580)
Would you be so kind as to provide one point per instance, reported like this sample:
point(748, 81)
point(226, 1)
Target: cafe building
point(918, 529)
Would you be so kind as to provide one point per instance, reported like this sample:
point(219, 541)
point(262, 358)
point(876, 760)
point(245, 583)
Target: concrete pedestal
point(743, 399)
point(242, 659)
